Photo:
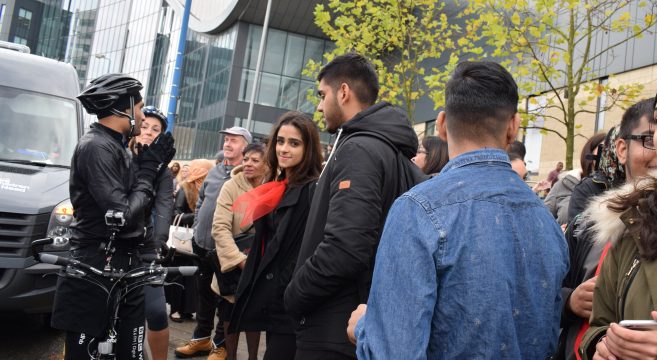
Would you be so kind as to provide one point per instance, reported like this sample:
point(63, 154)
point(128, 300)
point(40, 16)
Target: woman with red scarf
point(280, 209)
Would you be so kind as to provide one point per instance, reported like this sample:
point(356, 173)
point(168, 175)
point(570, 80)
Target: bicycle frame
point(121, 282)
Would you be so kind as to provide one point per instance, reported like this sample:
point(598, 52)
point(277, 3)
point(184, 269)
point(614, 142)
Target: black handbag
point(228, 281)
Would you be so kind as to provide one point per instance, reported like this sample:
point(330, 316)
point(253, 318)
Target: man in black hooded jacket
point(349, 207)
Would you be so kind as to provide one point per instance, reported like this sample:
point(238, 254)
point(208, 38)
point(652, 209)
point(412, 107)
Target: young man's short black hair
point(518, 148)
point(633, 115)
point(480, 99)
point(357, 72)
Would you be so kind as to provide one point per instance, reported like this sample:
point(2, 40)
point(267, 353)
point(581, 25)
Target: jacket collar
point(486, 155)
point(608, 225)
point(105, 130)
point(291, 196)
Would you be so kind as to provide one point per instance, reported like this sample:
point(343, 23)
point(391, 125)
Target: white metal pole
point(256, 80)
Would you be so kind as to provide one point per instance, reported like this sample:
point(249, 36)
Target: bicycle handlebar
point(174, 270)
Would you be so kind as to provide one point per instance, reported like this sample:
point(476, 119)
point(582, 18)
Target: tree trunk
point(570, 132)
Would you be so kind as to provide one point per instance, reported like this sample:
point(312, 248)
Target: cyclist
point(102, 180)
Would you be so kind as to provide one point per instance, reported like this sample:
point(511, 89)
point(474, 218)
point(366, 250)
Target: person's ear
point(441, 126)
point(621, 151)
point(512, 129)
point(344, 93)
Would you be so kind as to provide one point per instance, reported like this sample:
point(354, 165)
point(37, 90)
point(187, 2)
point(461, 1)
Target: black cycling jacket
point(102, 179)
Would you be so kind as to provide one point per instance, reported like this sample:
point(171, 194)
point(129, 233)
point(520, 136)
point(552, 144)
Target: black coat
point(259, 297)
point(181, 206)
point(585, 191)
point(102, 179)
point(345, 221)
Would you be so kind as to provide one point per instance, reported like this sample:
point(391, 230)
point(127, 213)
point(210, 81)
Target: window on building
point(305, 105)
point(275, 51)
point(24, 18)
point(268, 91)
point(281, 83)
point(314, 50)
point(20, 40)
point(430, 128)
point(289, 93)
point(2, 12)
point(293, 64)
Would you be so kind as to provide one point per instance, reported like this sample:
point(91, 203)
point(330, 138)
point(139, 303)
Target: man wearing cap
point(235, 140)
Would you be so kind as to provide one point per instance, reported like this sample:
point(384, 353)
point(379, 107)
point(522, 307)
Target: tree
point(548, 45)
point(398, 36)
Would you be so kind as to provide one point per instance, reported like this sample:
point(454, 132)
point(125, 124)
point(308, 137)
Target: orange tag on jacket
point(345, 184)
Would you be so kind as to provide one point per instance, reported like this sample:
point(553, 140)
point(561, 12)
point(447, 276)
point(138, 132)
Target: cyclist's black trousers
point(81, 308)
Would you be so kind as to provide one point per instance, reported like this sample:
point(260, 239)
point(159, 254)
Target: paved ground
point(24, 337)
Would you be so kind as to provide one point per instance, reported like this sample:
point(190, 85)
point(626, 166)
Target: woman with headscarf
point(608, 174)
point(588, 235)
point(183, 301)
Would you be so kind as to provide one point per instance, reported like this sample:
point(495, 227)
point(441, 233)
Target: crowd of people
point(379, 247)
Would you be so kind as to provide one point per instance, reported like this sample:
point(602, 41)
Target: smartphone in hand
point(639, 324)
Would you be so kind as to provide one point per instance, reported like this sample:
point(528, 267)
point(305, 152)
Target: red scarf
point(260, 201)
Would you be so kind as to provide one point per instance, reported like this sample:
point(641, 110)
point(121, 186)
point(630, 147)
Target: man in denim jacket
point(470, 263)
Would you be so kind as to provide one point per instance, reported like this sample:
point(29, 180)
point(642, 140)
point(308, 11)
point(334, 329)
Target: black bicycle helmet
point(156, 113)
point(104, 91)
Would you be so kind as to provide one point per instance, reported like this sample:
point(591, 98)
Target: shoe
point(218, 353)
point(187, 316)
point(194, 348)
point(175, 317)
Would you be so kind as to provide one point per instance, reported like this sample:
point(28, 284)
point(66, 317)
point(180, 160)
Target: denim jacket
point(469, 266)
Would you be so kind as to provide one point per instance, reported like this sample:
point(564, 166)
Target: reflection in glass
point(268, 92)
point(289, 93)
point(274, 52)
point(252, 44)
point(294, 55)
point(307, 89)
point(246, 85)
point(37, 128)
point(314, 50)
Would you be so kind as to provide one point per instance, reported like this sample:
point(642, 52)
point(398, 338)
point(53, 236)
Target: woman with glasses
point(590, 233)
point(432, 155)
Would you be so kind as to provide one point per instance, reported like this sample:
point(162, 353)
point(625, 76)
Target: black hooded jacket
point(353, 195)
point(102, 179)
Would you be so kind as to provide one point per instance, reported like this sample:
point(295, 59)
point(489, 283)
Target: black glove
point(152, 159)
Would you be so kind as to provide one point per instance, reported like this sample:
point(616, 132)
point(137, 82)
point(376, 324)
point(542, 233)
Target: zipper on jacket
point(628, 279)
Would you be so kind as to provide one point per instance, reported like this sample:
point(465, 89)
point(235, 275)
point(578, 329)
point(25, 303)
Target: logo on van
point(6, 184)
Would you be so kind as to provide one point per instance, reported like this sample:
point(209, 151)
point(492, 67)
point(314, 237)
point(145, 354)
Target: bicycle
point(121, 284)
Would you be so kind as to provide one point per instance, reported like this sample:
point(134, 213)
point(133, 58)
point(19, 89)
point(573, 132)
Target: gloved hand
point(152, 159)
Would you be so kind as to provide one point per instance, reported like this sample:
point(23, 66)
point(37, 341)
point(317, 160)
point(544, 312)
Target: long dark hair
point(311, 164)
point(437, 154)
point(644, 199)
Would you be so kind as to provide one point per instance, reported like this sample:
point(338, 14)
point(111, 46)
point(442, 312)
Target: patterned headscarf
point(612, 169)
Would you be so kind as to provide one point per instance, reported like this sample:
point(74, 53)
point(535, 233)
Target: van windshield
point(36, 128)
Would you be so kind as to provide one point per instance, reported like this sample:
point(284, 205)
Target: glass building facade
point(140, 38)
point(218, 77)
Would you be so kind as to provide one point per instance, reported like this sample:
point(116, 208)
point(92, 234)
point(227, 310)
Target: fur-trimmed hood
point(607, 224)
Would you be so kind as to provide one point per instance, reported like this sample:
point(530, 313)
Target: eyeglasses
point(647, 140)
